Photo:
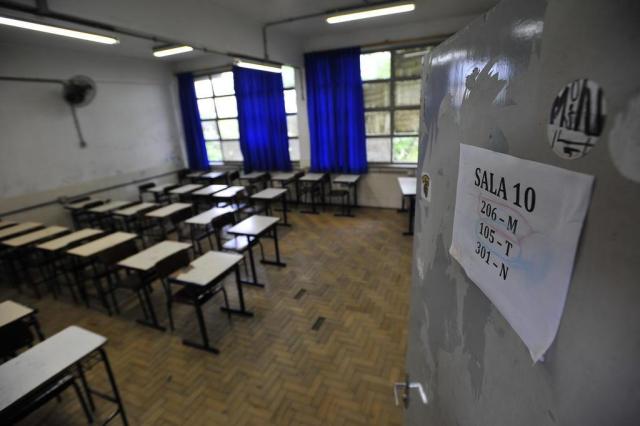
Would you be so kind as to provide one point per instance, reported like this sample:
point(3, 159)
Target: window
point(392, 89)
point(219, 115)
point(291, 109)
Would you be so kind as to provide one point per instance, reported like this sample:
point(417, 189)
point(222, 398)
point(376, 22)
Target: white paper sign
point(515, 233)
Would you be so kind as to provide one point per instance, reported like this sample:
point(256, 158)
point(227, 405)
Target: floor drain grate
point(318, 323)
point(299, 294)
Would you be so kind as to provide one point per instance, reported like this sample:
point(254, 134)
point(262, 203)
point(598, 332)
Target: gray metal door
point(493, 86)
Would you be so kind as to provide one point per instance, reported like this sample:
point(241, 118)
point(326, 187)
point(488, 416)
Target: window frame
point(392, 108)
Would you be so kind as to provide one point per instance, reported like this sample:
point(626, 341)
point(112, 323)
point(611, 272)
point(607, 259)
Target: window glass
point(375, 66)
point(407, 93)
point(376, 95)
point(206, 109)
point(223, 84)
point(203, 88)
point(231, 151)
point(379, 150)
point(214, 152)
point(229, 129)
point(405, 150)
point(288, 77)
point(406, 121)
point(294, 149)
point(292, 126)
point(226, 107)
point(290, 105)
point(408, 62)
point(210, 130)
point(377, 122)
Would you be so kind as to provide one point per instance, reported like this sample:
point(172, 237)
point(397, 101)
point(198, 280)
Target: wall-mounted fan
point(78, 91)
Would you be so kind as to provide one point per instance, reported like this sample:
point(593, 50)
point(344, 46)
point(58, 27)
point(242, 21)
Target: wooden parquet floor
point(273, 369)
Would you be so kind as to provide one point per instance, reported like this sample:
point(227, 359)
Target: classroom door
point(495, 85)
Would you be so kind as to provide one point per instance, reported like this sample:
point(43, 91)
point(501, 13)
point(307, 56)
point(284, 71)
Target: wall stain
point(475, 315)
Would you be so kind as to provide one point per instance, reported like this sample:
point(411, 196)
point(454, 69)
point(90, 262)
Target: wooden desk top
point(6, 223)
point(11, 311)
point(44, 361)
point(313, 177)
point(208, 267)
point(101, 244)
point(254, 225)
point(230, 192)
point(213, 175)
point(185, 189)
point(160, 188)
point(348, 179)
point(269, 194)
point(135, 209)
point(80, 204)
point(34, 237)
point(206, 217)
point(18, 229)
point(149, 258)
point(208, 190)
point(408, 185)
point(63, 242)
point(168, 210)
point(253, 175)
point(110, 206)
point(282, 176)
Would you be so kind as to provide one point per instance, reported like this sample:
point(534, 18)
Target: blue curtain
point(194, 139)
point(336, 111)
point(262, 120)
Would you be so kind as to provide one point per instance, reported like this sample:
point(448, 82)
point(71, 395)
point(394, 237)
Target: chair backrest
point(146, 186)
point(182, 174)
point(167, 266)
point(220, 222)
point(233, 175)
point(181, 215)
point(117, 253)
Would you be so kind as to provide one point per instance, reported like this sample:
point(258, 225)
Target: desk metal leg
point(313, 200)
point(253, 268)
point(284, 210)
point(242, 310)
point(205, 346)
point(152, 313)
point(114, 387)
point(278, 262)
point(402, 208)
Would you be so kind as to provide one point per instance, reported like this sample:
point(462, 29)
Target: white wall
point(130, 127)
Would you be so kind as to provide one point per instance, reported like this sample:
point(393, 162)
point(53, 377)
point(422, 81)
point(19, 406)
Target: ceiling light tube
point(371, 13)
point(18, 23)
point(260, 67)
point(161, 52)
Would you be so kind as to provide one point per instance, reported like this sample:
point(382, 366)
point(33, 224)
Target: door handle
point(406, 387)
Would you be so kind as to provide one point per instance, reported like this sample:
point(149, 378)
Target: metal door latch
point(406, 387)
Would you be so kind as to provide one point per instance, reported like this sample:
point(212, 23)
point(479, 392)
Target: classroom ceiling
point(265, 11)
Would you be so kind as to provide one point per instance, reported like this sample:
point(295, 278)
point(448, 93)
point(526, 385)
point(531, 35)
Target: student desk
point(228, 195)
point(6, 223)
point(52, 251)
point(213, 176)
point(203, 195)
point(203, 221)
point(23, 375)
point(79, 205)
point(352, 183)
point(408, 190)
point(287, 178)
point(21, 228)
point(144, 263)
point(160, 190)
point(193, 176)
point(206, 272)
point(270, 195)
point(130, 215)
point(254, 178)
point(107, 208)
point(169, 212)
point(94, 250)
point(312, 180)
point(253, 228)
point(34, 237)
point(11, 312)
point(185, 189)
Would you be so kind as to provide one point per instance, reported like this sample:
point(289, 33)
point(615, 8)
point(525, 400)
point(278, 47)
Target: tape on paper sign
point(577, 119)
point(425, 185)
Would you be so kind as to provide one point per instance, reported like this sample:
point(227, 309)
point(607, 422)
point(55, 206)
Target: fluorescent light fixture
point(260, 67)
point(173, 50)
point(18, 23)
point(371, 13)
